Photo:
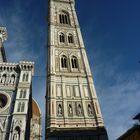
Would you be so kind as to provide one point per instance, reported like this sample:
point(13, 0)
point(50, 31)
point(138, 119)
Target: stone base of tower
point(78, 134)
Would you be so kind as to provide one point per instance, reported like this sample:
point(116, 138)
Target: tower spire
point(3, 37)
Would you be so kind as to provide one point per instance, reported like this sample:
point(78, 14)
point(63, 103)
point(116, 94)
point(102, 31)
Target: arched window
point(74, 62)
point(23, 78)
point(21, 94)
point(22, 107)
point(70, 38)
point(27, 77)
point(64, 18)
point(19, 107)
point(61, 38)
point(24, 94)
point(64, 61)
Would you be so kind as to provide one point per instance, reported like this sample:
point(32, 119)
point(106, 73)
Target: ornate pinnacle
point(3, 34)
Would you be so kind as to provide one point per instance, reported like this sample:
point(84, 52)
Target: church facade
point(16, 102)
point(72, 107)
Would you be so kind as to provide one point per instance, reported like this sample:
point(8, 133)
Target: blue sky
point(111, 32)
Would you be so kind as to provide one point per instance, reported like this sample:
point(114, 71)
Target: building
point(16, 109)
point(134, 132)
point(72, 107)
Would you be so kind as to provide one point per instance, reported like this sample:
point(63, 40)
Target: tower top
point(3, 34)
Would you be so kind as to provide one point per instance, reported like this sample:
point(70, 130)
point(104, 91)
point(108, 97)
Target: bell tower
point(72, 107)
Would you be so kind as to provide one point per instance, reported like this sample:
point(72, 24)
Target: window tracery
point(70, 38)
point(22, 94)
point(64, 18)
point(74, 62)
point(61, 38)
point(25, 77)
point(21, 107)
point(64, 61)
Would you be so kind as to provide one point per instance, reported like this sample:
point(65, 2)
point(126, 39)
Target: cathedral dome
point(35, 109)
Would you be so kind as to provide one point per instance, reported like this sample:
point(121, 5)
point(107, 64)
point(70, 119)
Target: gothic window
point(22, 107)
point(19, 107)
point(24, 94)
point(70, 39)
point(21, 94)
point(74, 62)
point(64, 18)
point(64, 61)
point(61, 38)
point(25, 77)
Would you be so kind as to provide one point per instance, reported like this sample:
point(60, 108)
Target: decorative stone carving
point(89, 110)
point(12, 79)
point(59, 109)
point(79, 110)
point(70, 109)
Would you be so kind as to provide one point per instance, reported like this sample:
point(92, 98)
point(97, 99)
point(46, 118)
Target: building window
point(61, 38)
point(21, 94)
point(64, 18)
point(74, 62)
point(21, 107)
point(24, 94)
point(25, 77)
point(70, 39)
point(64, 61)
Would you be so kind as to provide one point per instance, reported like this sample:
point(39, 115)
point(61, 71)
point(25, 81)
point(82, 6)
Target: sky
point(111, 32)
